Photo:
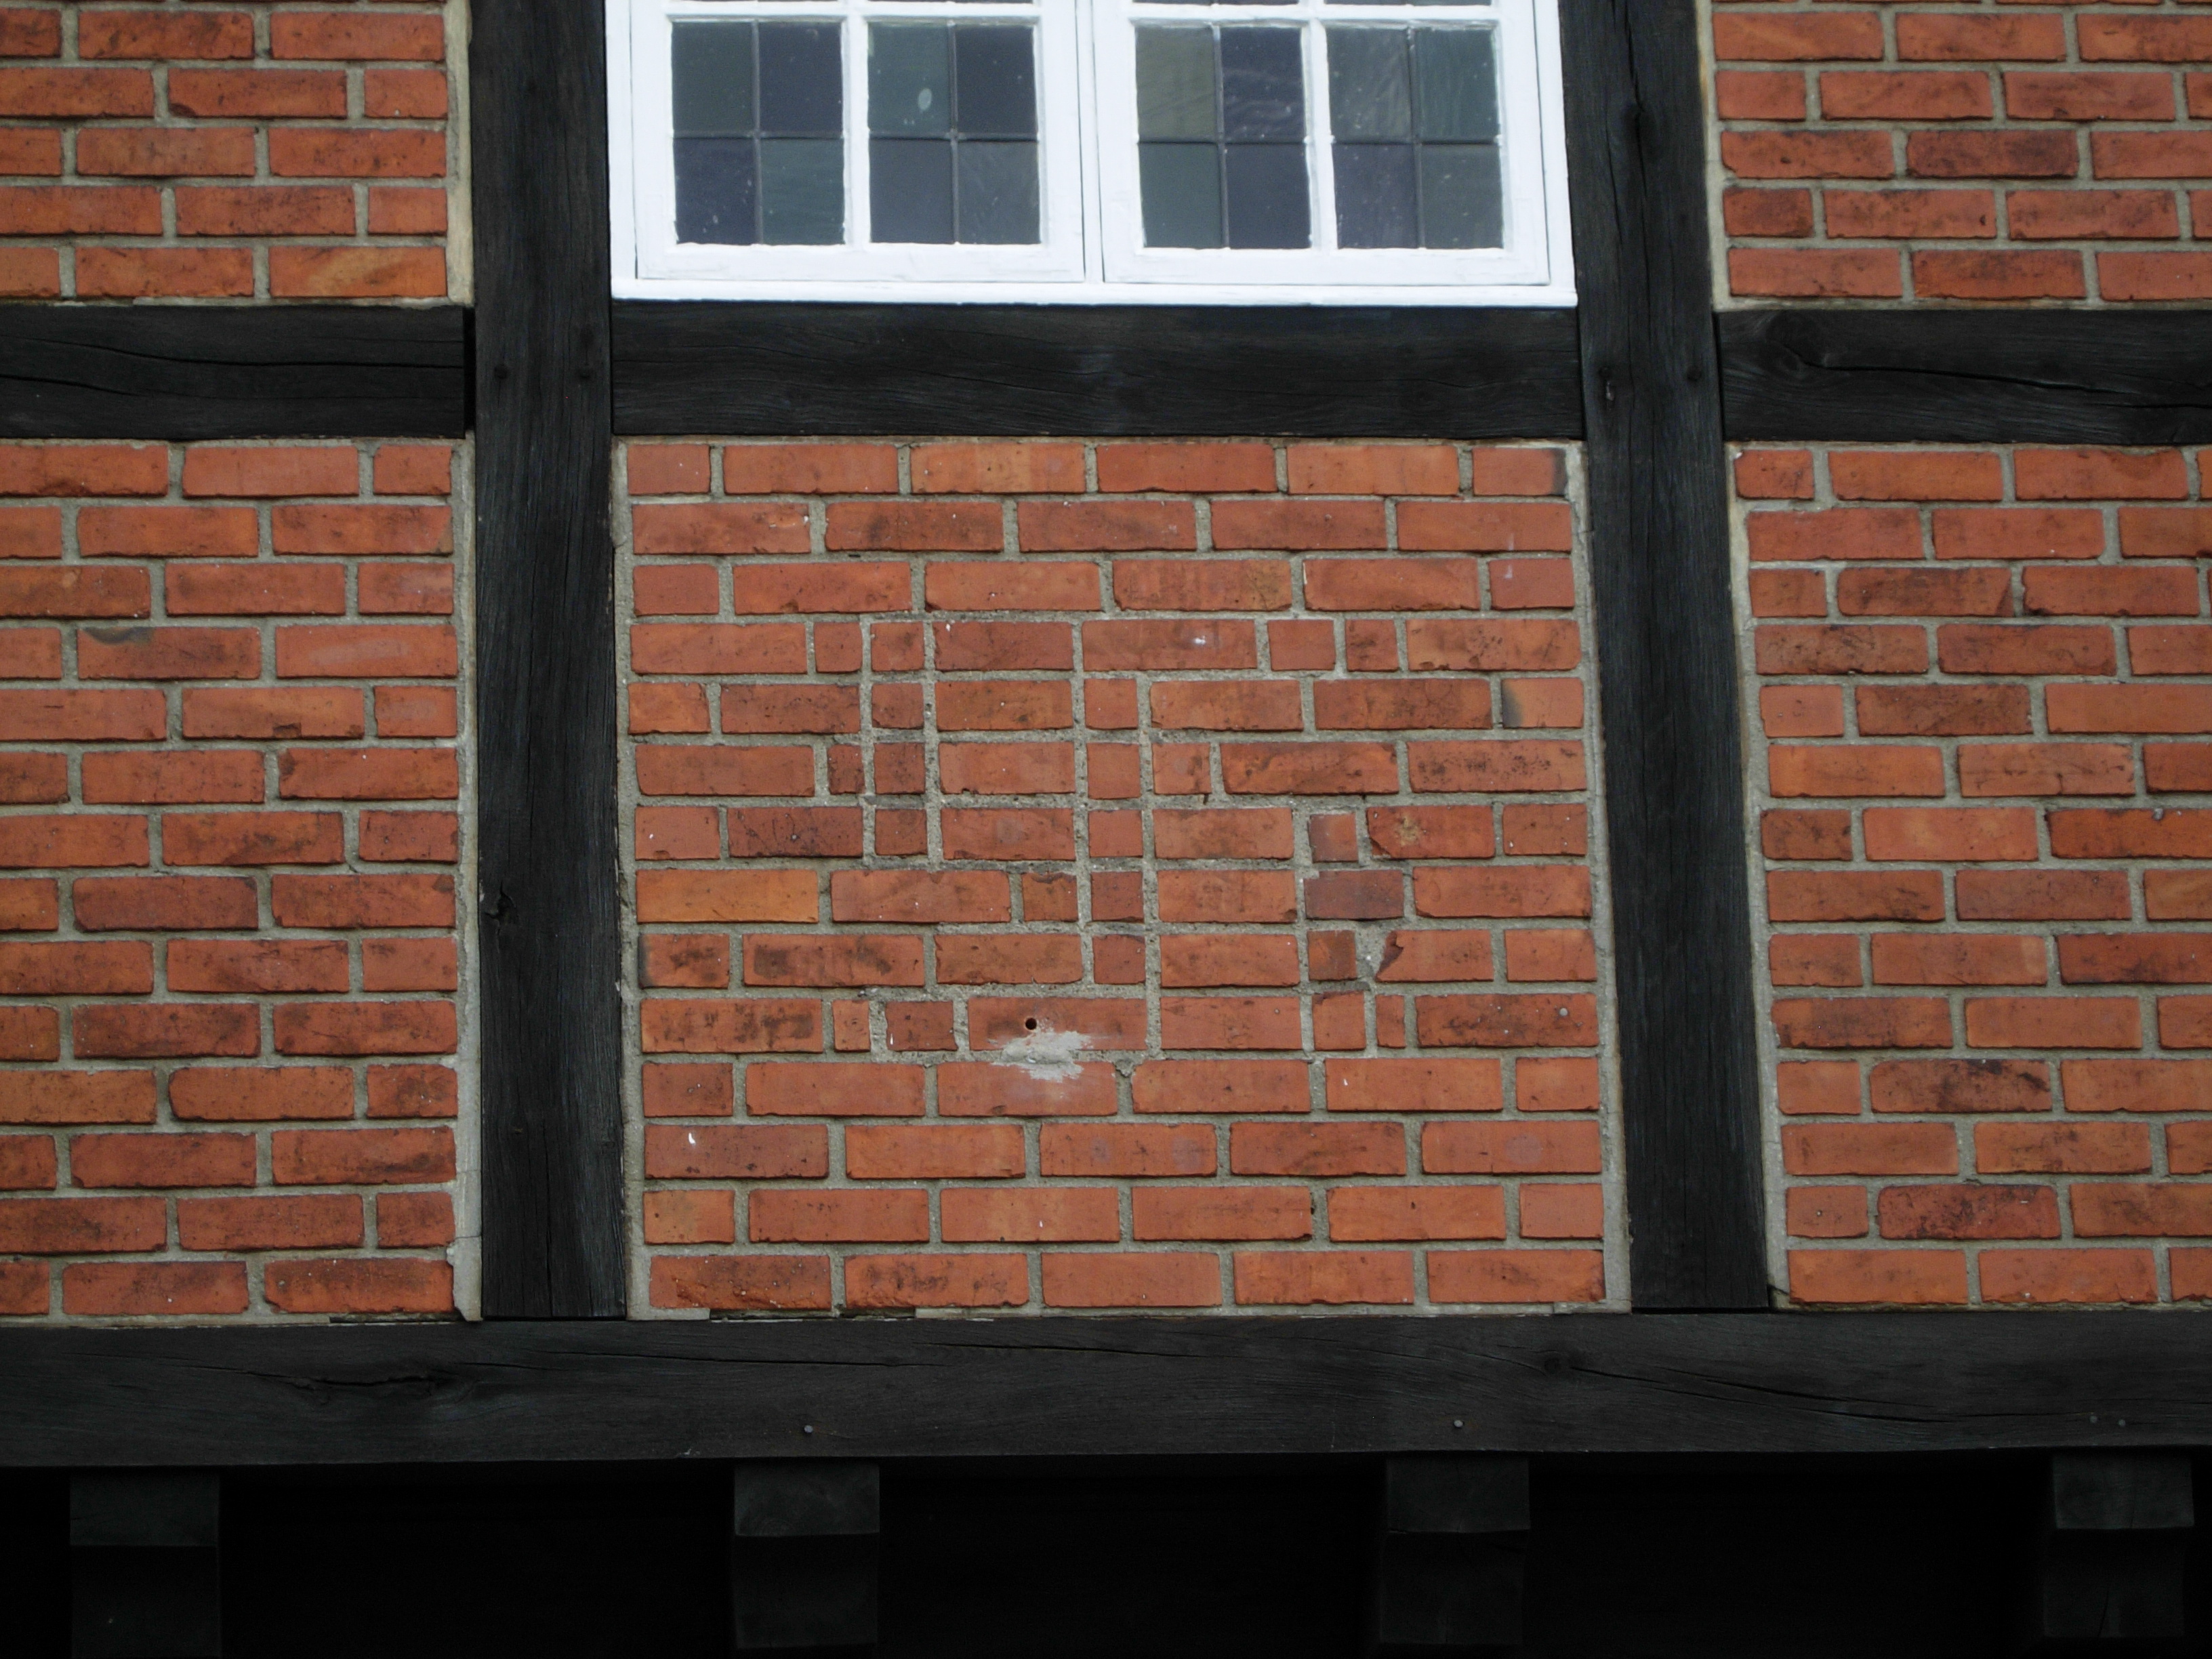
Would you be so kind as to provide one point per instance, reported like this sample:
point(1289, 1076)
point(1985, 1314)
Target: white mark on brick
point(1047, 1055)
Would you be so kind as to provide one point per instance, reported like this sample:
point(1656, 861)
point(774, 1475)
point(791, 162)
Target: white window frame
point(1093, 248)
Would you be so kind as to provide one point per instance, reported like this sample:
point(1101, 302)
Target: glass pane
point(1267, 203)
point(1175, 86)
point(716, 190)
point(1262, 85)
point(1461, 196)
point(1456, 84)
point(998, 192)
point(910, 189)
point(802, 184)
point(909, 79)
point(802, 92)
point(1182, 189)
point(713, 64)
point(996, 79)
point(1375, 203)
point(1370, 92)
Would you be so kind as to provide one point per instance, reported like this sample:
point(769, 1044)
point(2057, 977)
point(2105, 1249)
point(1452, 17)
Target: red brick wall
point(177, 149)
point(1077, 876)
point(1993, 151)
point(1984, 689)
point(228, 855)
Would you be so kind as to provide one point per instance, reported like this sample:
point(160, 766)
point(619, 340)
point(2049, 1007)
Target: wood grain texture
point(549, 873)
point(574, 1392)
point(1665, 619)
point(1095, 371)
point(198, 372)
point(1927, 376)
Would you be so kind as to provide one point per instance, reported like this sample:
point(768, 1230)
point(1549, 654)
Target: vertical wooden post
point(1666, 659)
point(548, 891)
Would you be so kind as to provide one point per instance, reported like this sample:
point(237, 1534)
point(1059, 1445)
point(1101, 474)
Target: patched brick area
point(188, 149)
point(1984, 686)
point(1992, 152)
point(1129, 875)
point(229, 950)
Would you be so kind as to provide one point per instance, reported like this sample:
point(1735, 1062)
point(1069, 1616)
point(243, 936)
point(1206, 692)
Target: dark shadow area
point(1629, 1558)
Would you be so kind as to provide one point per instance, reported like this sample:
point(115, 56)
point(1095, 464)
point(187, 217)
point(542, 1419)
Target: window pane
point(1370, 90)
point(1175, 83)
point(1268, 205)
point(1461, 196)
point(910, 189)
point(802, 81)
point(1182, 188)
point(1455, 83)
point(909, 79)
point(996, 80)
point(998, 192)
point(713, 64)
point(802, 186)
point(716, 192)
point(1377, 205)
point(1262, 85)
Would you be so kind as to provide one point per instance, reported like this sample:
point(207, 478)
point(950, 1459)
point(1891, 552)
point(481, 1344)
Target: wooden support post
point(1450, 1547)
point(2111, 1575)
point(804, 1544)
point(145, 1566)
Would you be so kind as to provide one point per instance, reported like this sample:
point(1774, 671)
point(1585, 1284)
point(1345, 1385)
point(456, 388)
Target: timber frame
point(549, 371)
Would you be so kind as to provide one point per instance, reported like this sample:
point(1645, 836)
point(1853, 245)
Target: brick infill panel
point(1073, 876)
point(229, 948)
point(1988, 152)
point(176, 150)
point(1983, 786)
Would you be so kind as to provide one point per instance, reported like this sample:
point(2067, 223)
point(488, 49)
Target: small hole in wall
point(1029, 1025)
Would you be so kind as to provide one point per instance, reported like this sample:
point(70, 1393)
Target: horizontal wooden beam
point(901, 1389)
point(198, 372)
point(1929, 376)
point(1095, 371)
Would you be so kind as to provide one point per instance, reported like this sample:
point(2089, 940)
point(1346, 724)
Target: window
point(1246, 151)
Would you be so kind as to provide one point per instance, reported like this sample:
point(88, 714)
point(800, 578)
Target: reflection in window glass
point(759, 129)
point(953, 125)
point(1221, 129)
point(1415, 115)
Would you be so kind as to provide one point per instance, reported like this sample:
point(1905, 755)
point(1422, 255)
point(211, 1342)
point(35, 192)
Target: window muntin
point(1256, 150)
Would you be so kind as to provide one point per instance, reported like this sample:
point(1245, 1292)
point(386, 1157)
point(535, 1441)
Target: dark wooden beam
point(1658, 536)
point(2112, 1572)
point(877, 1389)
point(547, 870)
point(193, 372)
point(1451, 1558)
point(1929, 376)
point(1095, 371)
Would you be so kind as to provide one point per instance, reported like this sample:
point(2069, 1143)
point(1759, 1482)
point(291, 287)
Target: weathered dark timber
point(2112, 1572)
point(805, 1557)
point(2072, 377)
point(191, 372)
point(1666, 648)
point(566, 1392)
point(1095, 371)
point(545, 667)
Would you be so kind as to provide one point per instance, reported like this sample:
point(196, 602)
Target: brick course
point(228, 944)
point(1984, 696)
point(1109, 876)
point(1987, 152)
point(187, 150)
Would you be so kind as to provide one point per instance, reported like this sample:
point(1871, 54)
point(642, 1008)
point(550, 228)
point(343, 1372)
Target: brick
point(2141, 1209)
point(720, 1027)
point(1897, 1276)
point(740, 1284)
point(81, 1226)
point(748, 1151)
point(355, 1286)
point(809, 469)
point(119, 1289)
point(1175, 1279)
point(2062, 1149)
point(161, 1160)
point(1510, 1148)
point(221, 1094)
point(1384, 1214)
point(936, 1281)
point(361, 1156)
point(2137, 1086)
point(1826, 1212)
point(248, 967)
point(1333, 1278)
point(1863, 1023)
point(2052, 1023)
point(1529, 1277)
